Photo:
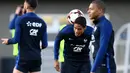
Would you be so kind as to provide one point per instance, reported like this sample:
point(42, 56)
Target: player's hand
point(4, 40)
point(56, 65)
point(18, 9)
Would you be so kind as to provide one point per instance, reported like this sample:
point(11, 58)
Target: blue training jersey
point(103, 42)
point(75, 48)
point(30, 30)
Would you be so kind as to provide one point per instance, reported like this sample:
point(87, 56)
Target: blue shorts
point(75, 67)
point(28, 65)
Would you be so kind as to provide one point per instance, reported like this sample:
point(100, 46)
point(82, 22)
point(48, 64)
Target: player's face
point(93, 11)
point(78, 29)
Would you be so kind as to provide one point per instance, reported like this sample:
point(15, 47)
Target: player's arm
point(16, 38)
point(58, 39)
point(12, 23)
point(60, 36)
point(44, 38)
point(105, 33)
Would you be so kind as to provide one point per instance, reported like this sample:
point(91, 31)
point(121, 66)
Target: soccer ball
point(73, 14)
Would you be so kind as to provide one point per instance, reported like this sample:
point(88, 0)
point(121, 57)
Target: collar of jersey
point(98, 20)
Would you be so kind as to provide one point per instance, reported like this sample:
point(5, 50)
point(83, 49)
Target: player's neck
point(100, 15)
point(29, 10)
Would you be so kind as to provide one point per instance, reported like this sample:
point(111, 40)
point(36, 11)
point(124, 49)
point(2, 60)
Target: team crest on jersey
point(85, 40)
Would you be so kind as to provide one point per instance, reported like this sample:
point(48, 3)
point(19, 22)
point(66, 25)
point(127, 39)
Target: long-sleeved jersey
point(75, 48)
point(29, 31)
point(103, 42)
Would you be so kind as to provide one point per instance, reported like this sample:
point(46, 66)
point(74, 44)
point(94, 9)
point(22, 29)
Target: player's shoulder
point(34, 17)
point(21, 17)
point(30, 15)
point(88, 30)
point(67, 29)
point(41, 20)
point(105, 22)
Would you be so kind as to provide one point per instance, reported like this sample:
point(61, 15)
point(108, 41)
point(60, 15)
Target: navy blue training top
point(75, 48)
point(103, 42)
point(30, 30)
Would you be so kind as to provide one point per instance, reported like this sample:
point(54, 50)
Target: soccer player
point(30, 30)
point(103, 55)
point(76, 52)
point(75, 13)
point(19, 11)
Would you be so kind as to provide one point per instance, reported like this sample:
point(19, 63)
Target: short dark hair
point(81, 21)
point(33, 3)
point(100, 4)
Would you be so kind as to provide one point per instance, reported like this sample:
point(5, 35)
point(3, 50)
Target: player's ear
point(100, 10)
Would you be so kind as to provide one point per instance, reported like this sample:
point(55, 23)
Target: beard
point(94, 17)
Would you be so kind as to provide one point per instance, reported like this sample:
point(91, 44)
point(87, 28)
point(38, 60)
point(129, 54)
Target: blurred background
point(54, 13)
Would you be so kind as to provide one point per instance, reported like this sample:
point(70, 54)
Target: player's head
point(30, 4)
point(79, 26)
point(96, 9)
point(73, 14)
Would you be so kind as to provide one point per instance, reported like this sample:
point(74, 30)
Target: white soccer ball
point(73, 14)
